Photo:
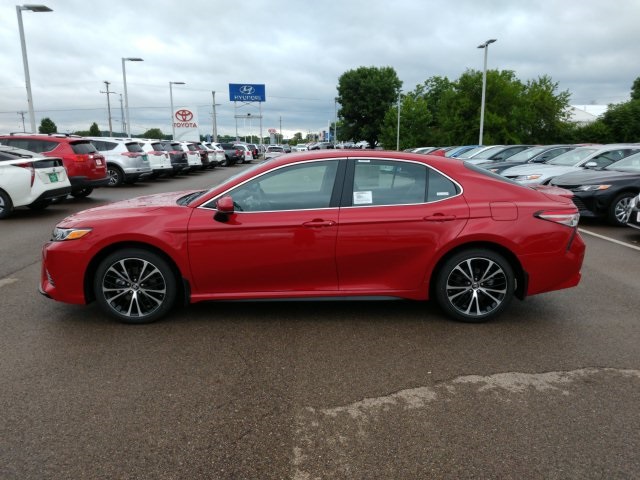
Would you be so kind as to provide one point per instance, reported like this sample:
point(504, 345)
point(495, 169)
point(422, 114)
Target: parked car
point(463, 236)
point(632, 217)
point(321, 146)
point(604, 193)
point(216, 153)
point(301, 147)
point(255, 151)
point(204, 155)
point(540, 154)
point(28, 179)
point(574, 160)
point(127, 162)
point(477, 150)
point(159, 159)
point(194, 158)
point(497, 153)
point(177, 156)
point(247, 155)
point(273, 151)
point(232, 154)
point(85, 166)
point(454, 152)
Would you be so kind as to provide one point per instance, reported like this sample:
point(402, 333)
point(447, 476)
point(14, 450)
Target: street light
point(485, 46)
point(126, 97)
point(27, 79)
point(173, 128)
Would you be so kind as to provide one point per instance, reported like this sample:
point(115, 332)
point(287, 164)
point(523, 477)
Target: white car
point(273, 151)
point(571, 161)
point(159, 159)
point(218, 152)
point(28, 179)
point(127, 162)
point(247, 155)
point(193, 156)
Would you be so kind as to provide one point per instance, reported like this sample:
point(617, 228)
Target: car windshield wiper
point(191, 197)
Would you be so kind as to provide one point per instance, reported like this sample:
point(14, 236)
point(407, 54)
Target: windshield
point(572, 158)
point(488, 152)
point(468, 153)
point(629, 164)
point(525, 155)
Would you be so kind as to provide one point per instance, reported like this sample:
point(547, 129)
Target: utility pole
point(124, 125)
point(215, 118)
point(24, 129)
point(281, 138)
point(108, 107)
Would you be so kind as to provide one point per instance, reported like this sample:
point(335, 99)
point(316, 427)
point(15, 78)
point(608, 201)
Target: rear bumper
point(78, 183)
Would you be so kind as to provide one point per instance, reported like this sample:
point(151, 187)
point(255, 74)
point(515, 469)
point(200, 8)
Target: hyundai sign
point(246, 92)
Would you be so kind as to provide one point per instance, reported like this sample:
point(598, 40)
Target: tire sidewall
point(157, 261)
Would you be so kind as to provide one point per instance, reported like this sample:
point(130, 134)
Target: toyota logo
point(184, 115)
point(247, 90)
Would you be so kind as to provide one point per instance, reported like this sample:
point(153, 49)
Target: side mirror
point(591, 165)
point(225, 205)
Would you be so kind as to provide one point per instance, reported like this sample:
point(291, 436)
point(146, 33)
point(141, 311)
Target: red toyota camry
point(326, 223)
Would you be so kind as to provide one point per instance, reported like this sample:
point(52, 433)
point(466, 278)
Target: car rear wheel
point(135, 286)
point(475, 285)
point(617, 214)
point(116, 175)
point(6, 206)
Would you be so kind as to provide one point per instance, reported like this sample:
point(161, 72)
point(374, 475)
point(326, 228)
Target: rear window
point(158, 147)
point(83, 148)
point(134, 147)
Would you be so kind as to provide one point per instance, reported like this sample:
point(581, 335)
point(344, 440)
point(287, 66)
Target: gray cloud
point(298, 50)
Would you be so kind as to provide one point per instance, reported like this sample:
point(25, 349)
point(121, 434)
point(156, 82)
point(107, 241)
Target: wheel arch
point(519, 272)
point(183, 293)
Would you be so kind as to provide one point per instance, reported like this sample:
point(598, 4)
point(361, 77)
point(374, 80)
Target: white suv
point(127, 162)
point(159, 159)
point(193, 156)
point(218, 152)
point(247, 155)
point(30, 180)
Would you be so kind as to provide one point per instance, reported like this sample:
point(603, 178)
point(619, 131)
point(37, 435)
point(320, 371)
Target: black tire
point(6, 205)
point(617, 212)
point(82, 193)
point(116, 175)
point(474, 285)
point(121, 293)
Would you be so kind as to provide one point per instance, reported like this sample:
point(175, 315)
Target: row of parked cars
point(39, 169)
point(604, 179)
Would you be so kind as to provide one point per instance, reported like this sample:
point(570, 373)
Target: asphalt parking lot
point(319, 390)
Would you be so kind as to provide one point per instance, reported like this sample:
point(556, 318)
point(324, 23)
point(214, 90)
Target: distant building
point(583, 114)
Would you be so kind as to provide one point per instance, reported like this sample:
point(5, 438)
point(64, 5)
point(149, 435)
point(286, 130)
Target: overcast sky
point(298, 49)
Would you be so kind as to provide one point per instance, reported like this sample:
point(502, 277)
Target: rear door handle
point(439, 217)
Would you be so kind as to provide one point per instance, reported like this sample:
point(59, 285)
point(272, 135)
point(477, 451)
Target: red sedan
point(322, 224)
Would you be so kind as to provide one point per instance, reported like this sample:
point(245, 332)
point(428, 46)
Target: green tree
point(47, 126)
point(635, 89)
point(543, 112)
point(365, 95)
point(94, 131)
point(623, 121)
point(154, 133)
point(415, 120)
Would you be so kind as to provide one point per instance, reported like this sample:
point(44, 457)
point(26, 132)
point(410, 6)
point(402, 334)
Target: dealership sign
point(185, 124)
point(245, 92)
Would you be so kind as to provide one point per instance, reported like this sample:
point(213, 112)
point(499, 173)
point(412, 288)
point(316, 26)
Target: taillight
point(28, 166)
point(80, 158)
point(131, 154)
point(569, 218)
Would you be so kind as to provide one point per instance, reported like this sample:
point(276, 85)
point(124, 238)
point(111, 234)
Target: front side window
point(294, 187)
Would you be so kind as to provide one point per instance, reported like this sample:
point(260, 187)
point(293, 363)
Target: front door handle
point(439, 217)
point(319, 223)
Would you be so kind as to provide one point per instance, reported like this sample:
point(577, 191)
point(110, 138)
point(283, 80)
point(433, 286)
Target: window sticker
point(363, 198)
point(442, 194)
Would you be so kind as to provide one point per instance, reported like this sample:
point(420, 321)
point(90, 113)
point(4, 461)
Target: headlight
point(528, 178)
point(61, 234)
point(591, 188)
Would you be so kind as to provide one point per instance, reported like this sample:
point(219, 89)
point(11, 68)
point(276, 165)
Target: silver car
point(127, 162)
point(574, 160)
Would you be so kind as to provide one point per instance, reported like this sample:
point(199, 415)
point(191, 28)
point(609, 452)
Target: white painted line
point(612, 240)
point(7, 281)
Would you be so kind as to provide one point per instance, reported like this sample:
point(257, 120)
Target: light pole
point(398, 128)
point(126, 97)
point(173, 128)
point(27, 79)
point(109, 106)
point(485, 46)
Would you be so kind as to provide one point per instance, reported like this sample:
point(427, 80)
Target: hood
point(593, 177)
point(129, 208)
point(542, 168)
point(551, 190)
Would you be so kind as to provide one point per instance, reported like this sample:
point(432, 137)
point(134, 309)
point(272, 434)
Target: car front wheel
point(617, 214)
point(475, 285)
point(135, 286)
point(6, 206)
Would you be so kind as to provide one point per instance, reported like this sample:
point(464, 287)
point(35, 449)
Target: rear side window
point(388, 182)
point(103, 146)
point(33, 145)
